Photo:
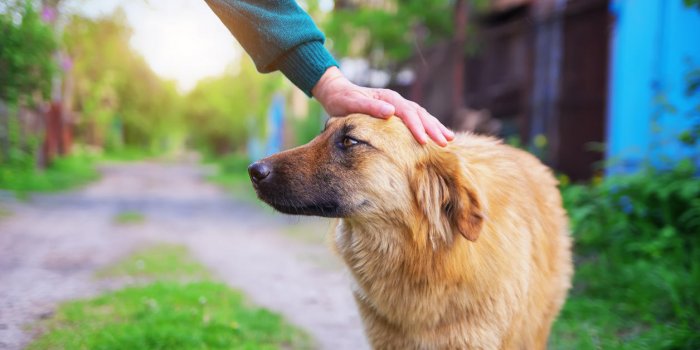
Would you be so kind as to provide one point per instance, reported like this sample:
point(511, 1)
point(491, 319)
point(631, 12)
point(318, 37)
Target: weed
point(129, 217)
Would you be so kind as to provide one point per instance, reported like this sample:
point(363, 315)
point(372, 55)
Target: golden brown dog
point(462, 247)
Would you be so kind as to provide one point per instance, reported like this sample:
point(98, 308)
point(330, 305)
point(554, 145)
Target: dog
point(461, 247)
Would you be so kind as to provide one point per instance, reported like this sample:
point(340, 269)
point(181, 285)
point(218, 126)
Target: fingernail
point(450, 134)
point(386, 109)
point(423, 138)
point(443, 141)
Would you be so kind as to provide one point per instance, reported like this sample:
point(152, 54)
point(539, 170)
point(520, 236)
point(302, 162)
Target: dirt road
point(51, 246)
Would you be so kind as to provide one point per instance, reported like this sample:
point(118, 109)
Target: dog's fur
point(462, 247)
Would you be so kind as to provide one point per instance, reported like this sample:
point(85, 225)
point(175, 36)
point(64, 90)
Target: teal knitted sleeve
point(278, 35)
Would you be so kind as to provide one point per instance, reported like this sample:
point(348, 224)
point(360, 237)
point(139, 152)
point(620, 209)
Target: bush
point(64, 173)
point(234, 164)
point(638, 262)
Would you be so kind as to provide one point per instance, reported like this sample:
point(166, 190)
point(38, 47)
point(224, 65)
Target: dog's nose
point(258, 171)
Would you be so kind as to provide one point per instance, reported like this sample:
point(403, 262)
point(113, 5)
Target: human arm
point(279, 35)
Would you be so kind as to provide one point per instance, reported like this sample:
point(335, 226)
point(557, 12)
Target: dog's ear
point(446, 195)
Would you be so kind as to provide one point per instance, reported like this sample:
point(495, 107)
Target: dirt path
point(51, 246)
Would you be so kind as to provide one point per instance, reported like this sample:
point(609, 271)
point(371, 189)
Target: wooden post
point(458, 42)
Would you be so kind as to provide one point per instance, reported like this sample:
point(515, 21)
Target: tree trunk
point(458, 42)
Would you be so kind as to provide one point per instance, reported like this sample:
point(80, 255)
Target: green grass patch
point(129, 217)
point(169, 315)
point(63, 173)
point(600, 323)
point(161, 262)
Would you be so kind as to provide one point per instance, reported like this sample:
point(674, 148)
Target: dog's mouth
point(326, 209)
point(295, 194)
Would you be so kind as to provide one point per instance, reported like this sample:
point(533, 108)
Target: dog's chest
point(388, 280)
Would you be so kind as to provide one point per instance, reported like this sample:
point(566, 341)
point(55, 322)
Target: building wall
point(655, 43)
point(541, 70)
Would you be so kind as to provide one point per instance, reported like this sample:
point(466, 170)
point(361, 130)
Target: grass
point(64, 173)
point(129, 217)
point(600, 323)
point(161, 262)
point(623, 308)
point(167, 313)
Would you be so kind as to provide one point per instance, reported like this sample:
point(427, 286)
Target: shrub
point(637, 243)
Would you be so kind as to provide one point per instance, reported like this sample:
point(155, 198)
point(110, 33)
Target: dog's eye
point(348, 142)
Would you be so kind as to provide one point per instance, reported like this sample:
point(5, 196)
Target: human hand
point(340, 97)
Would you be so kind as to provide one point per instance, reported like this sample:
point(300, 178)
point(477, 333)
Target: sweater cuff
point(305, 64)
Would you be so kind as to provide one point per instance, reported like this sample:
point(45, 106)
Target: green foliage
point(305, 129)
point(63, 173)
point(223, 112)
point(691, 136)
point(234, 164)
point(232, 173)
point(26, 48)
point(27, 67)
point(388, 29)
point(692, 3)
point(123, 103)
point(168, 315)
point(638, 263)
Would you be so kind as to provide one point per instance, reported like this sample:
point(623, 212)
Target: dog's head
point(372, 169)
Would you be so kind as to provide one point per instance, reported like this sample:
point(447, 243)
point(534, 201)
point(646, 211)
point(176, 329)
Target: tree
point(26, 71)
point(121, 100)
point(220, 111)
point(387, 31)
point(390, 31)
point(26, 48)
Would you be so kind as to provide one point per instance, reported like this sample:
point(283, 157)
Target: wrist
point(330, 77)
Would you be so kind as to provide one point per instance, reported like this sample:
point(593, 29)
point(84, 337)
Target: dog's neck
point(392, 247)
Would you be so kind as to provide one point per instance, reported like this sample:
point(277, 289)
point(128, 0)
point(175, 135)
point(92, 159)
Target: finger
point(406, 111)
point(345, 105)
point(414, 123)
point(390, 96)
point(449, 134)
point(365, 105)
point(431, 127)
point(381, 109)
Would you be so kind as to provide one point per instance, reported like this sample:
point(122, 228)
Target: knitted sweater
point(278, 35)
